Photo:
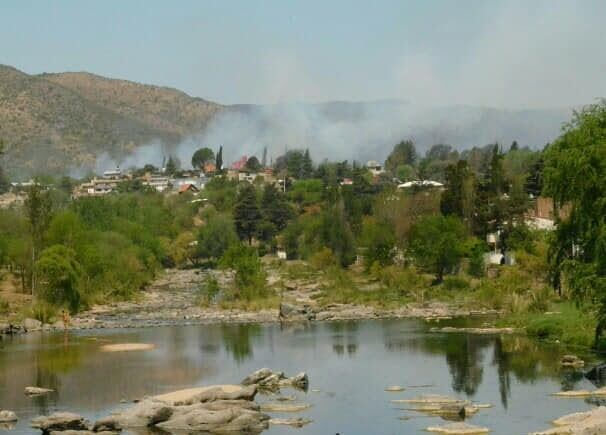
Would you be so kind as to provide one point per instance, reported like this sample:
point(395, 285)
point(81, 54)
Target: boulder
point(81, 432)
point(291, 312)
point(7, 416)
point(572, 361)
point(145, 413)
point(37, 391)
point(458, 429)
point(269, 380)
point(58, 325)
point(294, 422)
point(592, 422)
point(32, 324)
point(60, 421)
point(107, 424)
point(394, 389)
point(201, 419)
point(284, 407)
point(208, 394)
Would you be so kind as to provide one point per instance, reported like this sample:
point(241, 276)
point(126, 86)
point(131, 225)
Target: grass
point(42, 311)
point(566, 323)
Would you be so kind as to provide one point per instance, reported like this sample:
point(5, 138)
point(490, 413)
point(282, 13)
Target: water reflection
point(375, 353)
point(344, 337)
point(238, 340)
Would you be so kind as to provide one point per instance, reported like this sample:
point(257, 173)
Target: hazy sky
point(496, 53)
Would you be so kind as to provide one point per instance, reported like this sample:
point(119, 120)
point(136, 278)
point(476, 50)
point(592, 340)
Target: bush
point(208, 292)
point(476, 260)
point(42, 311)
point(452, 283)
point(4, 307)
point(216, 237)
point(59, 275)
point(323, 259)
point(250, 280)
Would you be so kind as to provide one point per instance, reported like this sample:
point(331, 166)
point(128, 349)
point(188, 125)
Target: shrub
point(323, 259)
point(452, 283)
point(208, 292)
point(476, 260)
point(250, 280)
point(4, 306)
point(42, 311)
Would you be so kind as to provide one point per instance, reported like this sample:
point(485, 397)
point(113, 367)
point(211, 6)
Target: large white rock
point(458, 429)
point(579, 423)
point(190, 396)
point(7, 416)
point(60, 421)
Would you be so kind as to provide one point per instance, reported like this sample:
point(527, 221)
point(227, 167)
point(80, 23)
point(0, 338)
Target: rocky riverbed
point(173, 300)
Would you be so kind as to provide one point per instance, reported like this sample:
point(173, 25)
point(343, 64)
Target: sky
point(505, 54)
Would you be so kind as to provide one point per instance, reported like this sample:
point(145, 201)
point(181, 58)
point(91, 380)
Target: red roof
point(186, 187)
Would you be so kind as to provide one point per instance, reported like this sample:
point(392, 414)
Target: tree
point(253, 164)
point(172, 166)
point(459, 197)
point(274, 207)
point(575, 177)
point(246, 213)
point(336, 234)
point(38, 209)
point(514, 146)
point(404, 153)
point(250, 277)
point(215, 237)
point(201, 157)
point(436, 244)
point(60, 274)
point(379, 240)
point(219, 160)
point(307, 167)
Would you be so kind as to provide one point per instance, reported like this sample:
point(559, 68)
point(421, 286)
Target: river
point(349, 365)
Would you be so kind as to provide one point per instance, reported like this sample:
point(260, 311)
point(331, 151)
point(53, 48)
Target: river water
point(349, 365)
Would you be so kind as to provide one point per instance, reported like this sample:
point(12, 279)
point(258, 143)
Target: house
point(239, 164)
point(188, 187)
point(157, 182)
point(10, 199)
point(375, 168)
point(347, 182)
point(209, 169)
point(542, 215)
point(113, 173)
point(421, 184)
point(96, 187)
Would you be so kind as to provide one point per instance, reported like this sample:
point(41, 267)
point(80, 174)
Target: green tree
point(59, 275)
point(250, 277)
point(404, 153)
point(219, 160)
point(379, 240)
point(307, 167)
point(246, 213)
point(172, 166)
point(215, 237)
point(575, 176)
point(201, 157)
point(38, 208)
point(336, 233)
point(459, 197)
point(436, 244)
point(253, 164)
point(274, 207)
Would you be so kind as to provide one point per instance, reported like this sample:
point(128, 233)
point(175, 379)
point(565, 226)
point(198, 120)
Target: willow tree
point(575, 176)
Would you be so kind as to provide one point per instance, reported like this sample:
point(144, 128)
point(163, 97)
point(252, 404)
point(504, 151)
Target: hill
point(53, 122)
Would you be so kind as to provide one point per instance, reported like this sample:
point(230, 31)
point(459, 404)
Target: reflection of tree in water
point(237, 340)
point(344, 338)
point(503, 361)
point(464, 358)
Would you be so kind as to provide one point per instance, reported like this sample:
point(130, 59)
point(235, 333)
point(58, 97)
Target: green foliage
point(476, 260)
point(209, 291)
point(306, 192)
point(379, 241)
point(60, 273)
point(201, 157)
point(274, 208)
point(42, 311)
point(250, 279)
point(574, 174)
point(247, 215)
point(406, 173)
point(221, 192)
point(172, 165)
point(322, 259)
point(253, 164)
point(455, 283)
point(216, 236)
point(436, 244)
point(403, 153)
point(335, 233)
point(219, 159)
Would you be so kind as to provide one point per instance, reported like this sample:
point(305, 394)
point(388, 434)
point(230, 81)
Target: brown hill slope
point(60, 121)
